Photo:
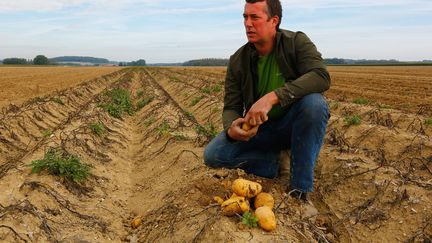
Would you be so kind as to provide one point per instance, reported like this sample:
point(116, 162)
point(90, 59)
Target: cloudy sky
point(177, 31)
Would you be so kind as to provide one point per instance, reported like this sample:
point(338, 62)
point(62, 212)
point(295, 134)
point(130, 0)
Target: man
point(276, 81)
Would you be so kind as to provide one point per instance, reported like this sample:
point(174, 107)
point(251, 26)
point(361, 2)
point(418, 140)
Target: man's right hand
point(237, 133)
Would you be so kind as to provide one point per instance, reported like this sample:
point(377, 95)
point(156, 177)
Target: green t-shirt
point(269, 79)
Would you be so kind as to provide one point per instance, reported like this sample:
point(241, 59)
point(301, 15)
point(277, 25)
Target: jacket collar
point(252, 49)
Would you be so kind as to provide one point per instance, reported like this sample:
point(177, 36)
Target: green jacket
point(299, 62)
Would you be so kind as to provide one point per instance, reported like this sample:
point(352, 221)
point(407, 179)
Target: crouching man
point(274, 84)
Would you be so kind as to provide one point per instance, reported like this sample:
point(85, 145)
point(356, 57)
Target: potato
point(136, 222)
point(245, 126)
point(218, 199)
point(266, 218)
point(235, 205)
point(264, 199)
point(246, 188)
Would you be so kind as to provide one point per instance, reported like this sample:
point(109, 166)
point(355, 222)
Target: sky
point(165, 31)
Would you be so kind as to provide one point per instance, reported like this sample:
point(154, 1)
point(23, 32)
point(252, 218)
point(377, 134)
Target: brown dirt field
point(373, 180)
point(21, 83)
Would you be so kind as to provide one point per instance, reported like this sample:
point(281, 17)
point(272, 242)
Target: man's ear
point(275, 20)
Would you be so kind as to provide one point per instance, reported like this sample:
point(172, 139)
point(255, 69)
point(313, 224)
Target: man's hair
point(274, 8)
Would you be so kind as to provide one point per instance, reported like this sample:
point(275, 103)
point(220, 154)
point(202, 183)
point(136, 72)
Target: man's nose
point(247, 22)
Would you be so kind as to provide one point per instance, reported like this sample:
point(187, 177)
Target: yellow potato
point(235, 205)
point(218, 199)
point(266, 218)
point(246, 188)
point(136, 222)
point(264, 199)
point(245, 126)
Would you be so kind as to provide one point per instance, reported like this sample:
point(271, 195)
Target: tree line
point(140, 62)
point(38, 60)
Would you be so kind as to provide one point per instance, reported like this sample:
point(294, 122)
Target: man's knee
point(314, 108)
point(209, 157)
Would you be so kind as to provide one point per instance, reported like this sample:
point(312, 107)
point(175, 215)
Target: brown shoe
point(285, 165)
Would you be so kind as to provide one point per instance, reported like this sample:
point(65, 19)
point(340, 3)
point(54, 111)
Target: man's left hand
point(257, 114)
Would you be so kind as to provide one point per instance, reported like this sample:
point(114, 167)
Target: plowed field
point(373, 177)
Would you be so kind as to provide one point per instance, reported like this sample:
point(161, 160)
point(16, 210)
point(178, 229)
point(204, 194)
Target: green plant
point(140, 93)
point(189, 115)
point(38, 99)
point(143, 102)
point(196, 100)
point(249, 220)
point(206, 90)
point(215, 109)
point(361, 101)
point(180, 137)
point(163, 128)
point(336, 105)
point(47, 133)
point(63, 165)
point(352, 120)
point(428, 121)
point(119, 102)
point(209, 130)
point(58, 100)
point(384, 106)
point(174, 78)
point(149, 121)
point(98, 128)
point(216, 88)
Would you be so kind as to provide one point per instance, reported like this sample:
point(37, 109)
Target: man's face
point(259, 28)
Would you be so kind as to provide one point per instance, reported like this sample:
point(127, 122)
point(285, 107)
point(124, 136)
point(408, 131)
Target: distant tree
point(140, 62)
point(40, 60)
point(14, 60)
point(79, 59)
point(207, 62)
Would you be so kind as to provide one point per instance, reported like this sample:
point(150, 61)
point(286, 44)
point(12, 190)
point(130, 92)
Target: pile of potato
point(245, 191)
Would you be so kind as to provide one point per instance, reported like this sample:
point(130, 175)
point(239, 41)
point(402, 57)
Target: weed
point(58, 100)
point(336, 105)
point(196, 100)
point(428, 121)
point(174, 78)
point(189, 115)
point(180, 137)
point(119, 103)
point(361, 101)
point(249, 220)
point(63, 165)
point(216, 88)
point(140, 94)
point(163, 128)
point(143, 102)
point(384, 106)
point(47, 133)
point(98, 128)
point(38, 99)
point(211, 89)
point(209, 130)
point(352, 120)
point(206, 90)
point(215, 109)
point(149, 121)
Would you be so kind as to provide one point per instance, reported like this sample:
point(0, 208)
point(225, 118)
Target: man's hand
point(257, 114)
point(237, 133)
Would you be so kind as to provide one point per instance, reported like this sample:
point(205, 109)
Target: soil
point(373, 180)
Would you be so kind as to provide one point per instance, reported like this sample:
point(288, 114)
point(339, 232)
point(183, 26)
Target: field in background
point(20, 83)
point(373, 176)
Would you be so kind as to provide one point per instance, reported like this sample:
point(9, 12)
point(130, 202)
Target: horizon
point(168, 31)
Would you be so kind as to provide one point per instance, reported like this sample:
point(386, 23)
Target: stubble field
point(373, 177)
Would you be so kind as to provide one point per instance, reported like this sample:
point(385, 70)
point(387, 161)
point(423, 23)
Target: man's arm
point(233, 99)
point(314, 77)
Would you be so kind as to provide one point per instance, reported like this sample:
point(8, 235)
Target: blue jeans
point(301, 130)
